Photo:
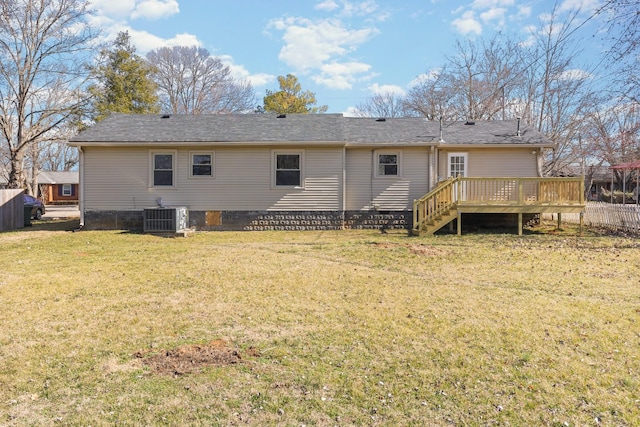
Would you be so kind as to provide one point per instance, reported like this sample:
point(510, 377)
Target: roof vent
point(281, 116)
point(518, 128)
point(468, 123)
point(165, 116)
point(381, 119)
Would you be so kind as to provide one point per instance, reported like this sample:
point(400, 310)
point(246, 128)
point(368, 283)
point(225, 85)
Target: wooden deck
point(519, 196)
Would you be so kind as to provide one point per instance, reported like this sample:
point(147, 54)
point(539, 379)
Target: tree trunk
point(16, 173)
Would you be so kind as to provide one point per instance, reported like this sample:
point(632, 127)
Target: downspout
point(81, 187)
point(344, 186)
point(433, 171)
point(373, 167)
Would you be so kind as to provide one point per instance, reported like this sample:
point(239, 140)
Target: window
point(288, 169)
point(387, 164)
point(66, 190)
point(163, 166)
point(202, 164)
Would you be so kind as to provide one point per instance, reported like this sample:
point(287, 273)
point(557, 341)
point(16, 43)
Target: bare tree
point(191, 81)
point(386, 104)
point(559, 91)
point(613, 135)
point(624, 56)
point(43, 47)
point(431, 98)
point(482, 80)
point(57, 157)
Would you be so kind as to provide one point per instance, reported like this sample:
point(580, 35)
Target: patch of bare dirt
point(423, 250)
point(192, 358)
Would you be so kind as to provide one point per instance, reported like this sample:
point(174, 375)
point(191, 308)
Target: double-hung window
point(288, 168)
point(387, 164)
point(201, 164)
point(67, 190)
point(163, 165)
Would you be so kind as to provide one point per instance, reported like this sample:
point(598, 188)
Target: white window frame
point(205, 153)
point(174, 167)
point(466, 163)
point(274, 165)
point(376, 163)
point(67, 190)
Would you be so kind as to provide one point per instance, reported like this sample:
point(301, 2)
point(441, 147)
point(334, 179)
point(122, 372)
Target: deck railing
point(488, 194)
point(520, 191)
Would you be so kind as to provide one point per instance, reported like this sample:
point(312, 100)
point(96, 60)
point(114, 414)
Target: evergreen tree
point(123, 82)
point(291, 99)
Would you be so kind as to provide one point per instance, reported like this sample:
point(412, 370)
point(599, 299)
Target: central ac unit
point(165, 220)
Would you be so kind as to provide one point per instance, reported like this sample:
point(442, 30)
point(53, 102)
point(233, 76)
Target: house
point(288, 172)
point(58, 187)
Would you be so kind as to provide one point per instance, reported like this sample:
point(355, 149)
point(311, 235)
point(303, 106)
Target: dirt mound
point(192, 358)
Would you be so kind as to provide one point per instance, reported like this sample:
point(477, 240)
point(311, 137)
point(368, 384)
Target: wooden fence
point(11, 210)
point(613, 216)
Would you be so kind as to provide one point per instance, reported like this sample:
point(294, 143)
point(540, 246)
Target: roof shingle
point(310, 128)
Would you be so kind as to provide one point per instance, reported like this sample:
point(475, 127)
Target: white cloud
point(327, 5)
point(342, 75)
point(425, 77)
point(524, 11)
point(582, 5)
point(239, 72)
point(488, 4)
point(321, 48)
point(308, 44)
point(134, 9)
point(351, 112)
point(113, 16)
point(468, 24)
point(155, 9)
point(387, 89)
point(495, 15)
point(574, 74)
point(360, 8)
point(114, 9)
point(144, 41)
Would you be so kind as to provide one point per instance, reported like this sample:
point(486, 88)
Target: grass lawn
point(318, 328)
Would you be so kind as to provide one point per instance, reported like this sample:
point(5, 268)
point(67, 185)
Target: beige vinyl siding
point(493, 162)
point(118, 178)
point(365, 191)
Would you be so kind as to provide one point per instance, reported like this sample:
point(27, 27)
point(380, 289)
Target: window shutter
point(73, 189)
point(59, 189)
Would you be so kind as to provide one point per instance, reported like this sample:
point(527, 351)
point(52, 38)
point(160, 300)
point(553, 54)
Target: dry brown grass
point(333, 328)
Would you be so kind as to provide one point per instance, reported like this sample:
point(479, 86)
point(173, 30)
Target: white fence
point(614, 216)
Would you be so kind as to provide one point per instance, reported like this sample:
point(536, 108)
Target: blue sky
point(343, 50)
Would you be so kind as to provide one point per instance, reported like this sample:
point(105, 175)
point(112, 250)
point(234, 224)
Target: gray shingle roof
point(305, 128)
point(58, 177)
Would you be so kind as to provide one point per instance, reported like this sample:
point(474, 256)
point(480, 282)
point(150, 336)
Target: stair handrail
point(428, 208)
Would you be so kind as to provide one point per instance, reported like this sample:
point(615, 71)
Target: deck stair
point(436, 209)
point(496, 195)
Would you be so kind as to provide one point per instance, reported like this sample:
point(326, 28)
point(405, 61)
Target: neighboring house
point(266, 171)
point(59, 187)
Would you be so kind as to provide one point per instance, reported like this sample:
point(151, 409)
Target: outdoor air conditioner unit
point(165, 219)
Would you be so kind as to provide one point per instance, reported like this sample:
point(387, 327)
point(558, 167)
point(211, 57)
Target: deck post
point(520, 224)
point(581, 221)
point(559, 220)
point(459, 223)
